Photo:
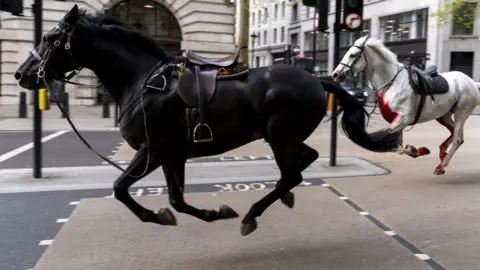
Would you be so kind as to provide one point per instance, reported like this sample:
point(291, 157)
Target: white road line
point(62, 220)
point(364, 213)
point(423, 257)
point(343, 198)
point(73, 203)
point(45, 242)
point(29, 146)
point(390, 233)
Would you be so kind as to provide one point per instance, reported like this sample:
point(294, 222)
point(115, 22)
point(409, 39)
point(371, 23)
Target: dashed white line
point(325, 185)
point(62, 220)
point(364, 213)
point(74, 203)
point(390, 233)
point(45, 242)
point(423, 257)
point(343, 198)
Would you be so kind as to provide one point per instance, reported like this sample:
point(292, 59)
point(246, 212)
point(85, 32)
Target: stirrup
point(205, 131)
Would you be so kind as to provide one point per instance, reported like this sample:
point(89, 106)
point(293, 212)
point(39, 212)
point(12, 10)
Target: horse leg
point(399, 124)
point(307, 156)
point(123, 183)
point(175, 175)
point(286, 157)
point(447, 122)
point(457, 140)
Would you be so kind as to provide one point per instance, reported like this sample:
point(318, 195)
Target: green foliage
point(457, 11)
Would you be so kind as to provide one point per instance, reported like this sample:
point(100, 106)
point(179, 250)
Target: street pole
point(37, 113)
point(314, 46)
point(337, 28)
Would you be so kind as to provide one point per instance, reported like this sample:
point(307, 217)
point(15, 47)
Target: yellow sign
point(42, 99)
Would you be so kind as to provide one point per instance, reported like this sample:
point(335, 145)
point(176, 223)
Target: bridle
point(355, 60)
point(66, 36)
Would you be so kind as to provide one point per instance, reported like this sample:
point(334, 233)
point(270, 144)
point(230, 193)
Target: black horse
point(281, 104)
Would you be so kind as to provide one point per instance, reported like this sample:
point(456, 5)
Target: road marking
point(402, 241)
point(423, 257)
point(73, 203)
point(45, 242)
point(62, 220)
point(364, 213)
point(29, 146)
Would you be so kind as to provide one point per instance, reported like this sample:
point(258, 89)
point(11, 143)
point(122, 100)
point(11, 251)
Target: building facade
point(405, 26)
point(269, 20)
point(204, 26)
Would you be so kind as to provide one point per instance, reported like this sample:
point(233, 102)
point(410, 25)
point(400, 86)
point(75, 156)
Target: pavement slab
point(321, 232)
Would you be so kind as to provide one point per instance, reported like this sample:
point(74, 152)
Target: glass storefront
point(153, 19)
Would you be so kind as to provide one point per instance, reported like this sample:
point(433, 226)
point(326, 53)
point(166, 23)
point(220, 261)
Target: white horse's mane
point(378, 47)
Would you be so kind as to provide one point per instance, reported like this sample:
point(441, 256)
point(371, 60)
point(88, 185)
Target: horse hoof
point(248, 228)
point(166, 217)
point(440, 170)
point(226, 212)
point(288, 199)
point(425, 150)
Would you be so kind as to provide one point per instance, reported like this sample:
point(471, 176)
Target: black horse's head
point(53, 56)
point(94, 41)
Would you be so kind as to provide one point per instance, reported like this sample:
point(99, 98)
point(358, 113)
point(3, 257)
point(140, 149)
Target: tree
point(460, 12)
point(244, 30)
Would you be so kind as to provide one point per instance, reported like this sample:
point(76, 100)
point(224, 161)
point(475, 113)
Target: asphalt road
point(63, 151)
point(28, 220)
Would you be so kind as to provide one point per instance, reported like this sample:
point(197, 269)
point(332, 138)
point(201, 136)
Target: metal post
point(115, 118)
point(22, 105)
point(106, 105)
point(336, 60)
point(37, 113)
point(314, 47)
point(65, 104)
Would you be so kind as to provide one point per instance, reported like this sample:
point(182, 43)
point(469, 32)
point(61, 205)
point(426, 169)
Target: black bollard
point(22, 106)
point(106, 106)
point(115, 118)
point(65, 105)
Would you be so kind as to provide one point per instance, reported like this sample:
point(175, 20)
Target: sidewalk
point(83, 117)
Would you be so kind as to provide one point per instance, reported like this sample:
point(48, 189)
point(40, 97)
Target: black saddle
point(427, 82)
point(197, 87)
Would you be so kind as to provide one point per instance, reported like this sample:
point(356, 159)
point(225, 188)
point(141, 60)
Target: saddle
point(427, 82)
point(197, 87)
point(424, 83)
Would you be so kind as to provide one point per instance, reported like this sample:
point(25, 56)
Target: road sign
point(353, 21)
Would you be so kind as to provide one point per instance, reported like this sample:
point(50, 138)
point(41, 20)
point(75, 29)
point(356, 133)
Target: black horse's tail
point(353, 122)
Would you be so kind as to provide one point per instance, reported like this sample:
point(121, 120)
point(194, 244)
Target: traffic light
point(322, 7)
point(13, 6)
point(353, 15)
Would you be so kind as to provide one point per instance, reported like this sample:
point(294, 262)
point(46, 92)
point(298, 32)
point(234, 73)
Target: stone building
point(205, 26)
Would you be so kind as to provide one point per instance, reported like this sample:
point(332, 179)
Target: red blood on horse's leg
point(443, 148)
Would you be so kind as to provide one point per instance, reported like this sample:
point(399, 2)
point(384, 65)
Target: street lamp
point(253, 36)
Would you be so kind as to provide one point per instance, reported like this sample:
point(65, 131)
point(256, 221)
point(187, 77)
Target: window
point(403, 26)
point(275, 14)
point(253, 18)
point(282, 35)
point(264, 37)
point(274, 36)
point(348, 38)
point(283, 10)
point(459, 27)
point(322, 41)
point(294, 39)
point(257, 60)
point(295, 13)
point(308, 12)
point(265, 11)
point(322, 67)
point(462, 61)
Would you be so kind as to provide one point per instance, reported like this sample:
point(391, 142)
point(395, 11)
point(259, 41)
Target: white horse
point(407, 95)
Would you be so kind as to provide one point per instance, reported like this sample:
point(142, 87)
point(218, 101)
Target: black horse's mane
point(121, 31)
